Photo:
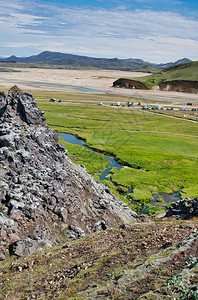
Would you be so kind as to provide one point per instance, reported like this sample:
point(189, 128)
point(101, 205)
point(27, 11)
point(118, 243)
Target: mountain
point(171, 64)
point(77, 61)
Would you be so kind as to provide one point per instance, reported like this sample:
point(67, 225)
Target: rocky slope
point(151, 261)
point(44, 197)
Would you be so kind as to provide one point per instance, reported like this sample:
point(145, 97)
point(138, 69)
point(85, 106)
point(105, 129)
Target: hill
point(77, 61)
point(187, 71)
point(183, 77)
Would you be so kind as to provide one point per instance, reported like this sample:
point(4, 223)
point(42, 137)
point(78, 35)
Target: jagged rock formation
point(44, 197)
point(185, 209)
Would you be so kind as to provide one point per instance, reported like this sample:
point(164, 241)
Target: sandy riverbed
point(95, 79)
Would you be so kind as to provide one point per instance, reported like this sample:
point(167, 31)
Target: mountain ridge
point(82, 61)
point(172, 64)
point(71, 60)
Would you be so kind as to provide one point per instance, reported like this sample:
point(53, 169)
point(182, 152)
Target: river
point(106, 175)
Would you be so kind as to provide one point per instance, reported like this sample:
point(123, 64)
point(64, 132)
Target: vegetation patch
point(187, 71)
point(160, 153)
point(93, 161)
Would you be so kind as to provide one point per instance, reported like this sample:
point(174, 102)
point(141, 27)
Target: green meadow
point(160, 154)
point(188, 71)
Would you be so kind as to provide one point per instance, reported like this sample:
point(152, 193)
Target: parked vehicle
point(52, 100)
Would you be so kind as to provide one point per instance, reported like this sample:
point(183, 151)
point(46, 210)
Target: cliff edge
point(44, 197)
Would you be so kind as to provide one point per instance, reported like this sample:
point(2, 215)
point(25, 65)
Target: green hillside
point(188, 71)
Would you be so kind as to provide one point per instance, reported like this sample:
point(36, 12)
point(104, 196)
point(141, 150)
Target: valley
point(64, 235)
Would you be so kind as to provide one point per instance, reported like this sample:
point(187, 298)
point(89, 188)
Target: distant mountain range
point(78, 61)
point(172, 64)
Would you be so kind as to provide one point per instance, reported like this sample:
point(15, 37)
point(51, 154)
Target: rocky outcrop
point(129, 84)
point(186, 86)
point(185, 209)
point(43, 195)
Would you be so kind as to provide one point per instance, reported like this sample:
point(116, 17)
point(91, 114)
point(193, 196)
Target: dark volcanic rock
point(185, 209)
point(41, 190)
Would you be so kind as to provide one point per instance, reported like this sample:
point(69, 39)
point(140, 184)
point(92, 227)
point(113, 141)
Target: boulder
point(28, 246)
point(185, 209)
point(99, 226)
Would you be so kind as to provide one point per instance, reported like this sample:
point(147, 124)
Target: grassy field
point(160, 152)
point(188, 71)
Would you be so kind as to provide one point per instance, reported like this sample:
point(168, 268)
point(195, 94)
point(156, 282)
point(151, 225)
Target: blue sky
point(156, 31)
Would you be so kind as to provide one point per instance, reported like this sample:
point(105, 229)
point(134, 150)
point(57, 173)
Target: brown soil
point(99, 266)
point(186, 86)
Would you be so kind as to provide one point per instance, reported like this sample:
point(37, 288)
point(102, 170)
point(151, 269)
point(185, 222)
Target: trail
point(150, 112)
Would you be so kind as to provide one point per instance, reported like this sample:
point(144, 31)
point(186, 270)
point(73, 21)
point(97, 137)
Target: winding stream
point(69, 138)
point(105, 175)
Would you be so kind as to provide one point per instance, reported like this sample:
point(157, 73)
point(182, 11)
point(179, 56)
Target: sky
point(155, 31)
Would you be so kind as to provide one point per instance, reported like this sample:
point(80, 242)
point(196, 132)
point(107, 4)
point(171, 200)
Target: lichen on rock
point(40, 187)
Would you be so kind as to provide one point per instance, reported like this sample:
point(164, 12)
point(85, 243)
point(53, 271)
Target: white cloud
point(26, 19)
point(18, 44)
